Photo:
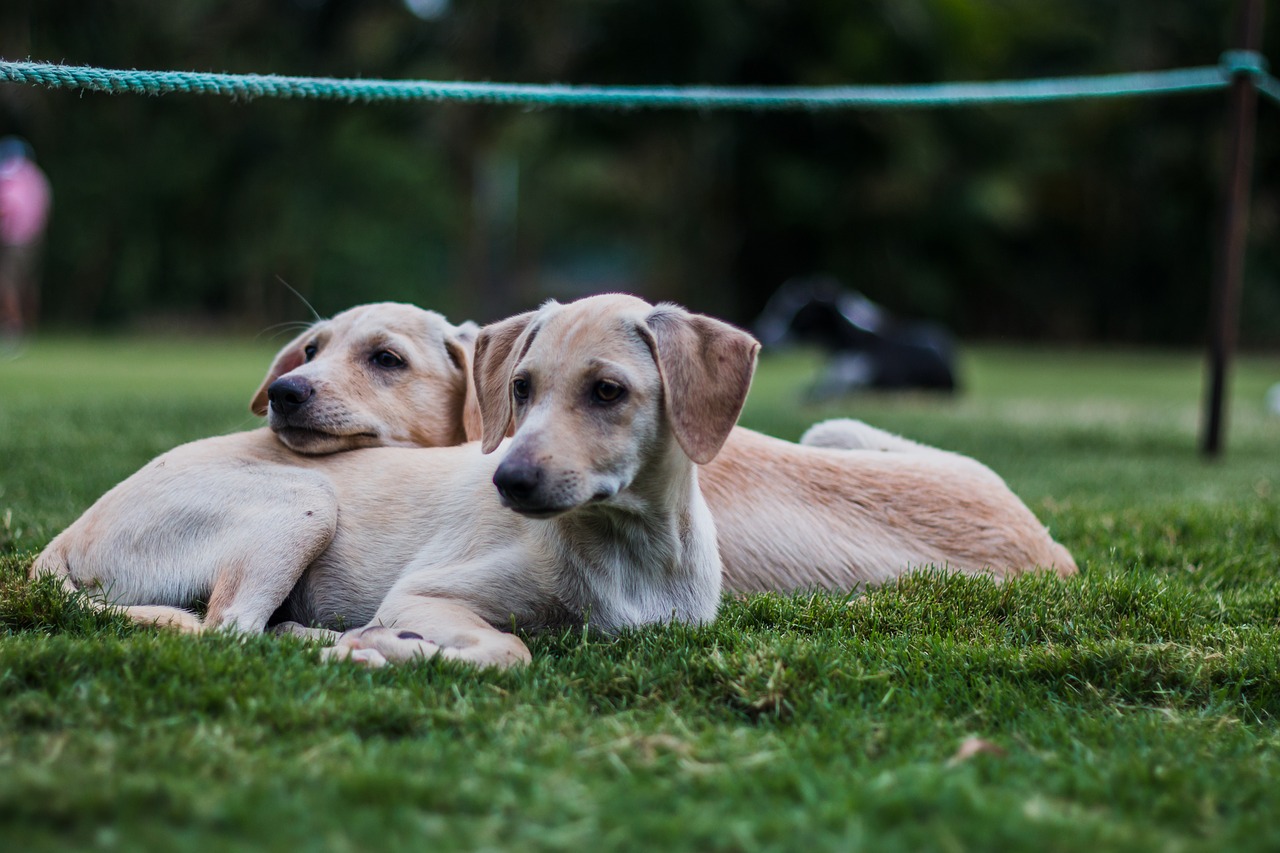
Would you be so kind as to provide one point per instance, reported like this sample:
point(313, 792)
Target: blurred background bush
point(1070, 222)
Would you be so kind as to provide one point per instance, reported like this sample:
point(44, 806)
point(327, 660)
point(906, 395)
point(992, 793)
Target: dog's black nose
point(517, 481)
point(288, 394)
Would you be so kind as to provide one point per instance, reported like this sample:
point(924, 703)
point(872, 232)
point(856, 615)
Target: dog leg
point(408, 627)
point(53, 562)
point(160, 616)
point(248, 590)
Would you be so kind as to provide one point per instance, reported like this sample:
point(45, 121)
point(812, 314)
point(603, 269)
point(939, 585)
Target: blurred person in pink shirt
point(24, 209)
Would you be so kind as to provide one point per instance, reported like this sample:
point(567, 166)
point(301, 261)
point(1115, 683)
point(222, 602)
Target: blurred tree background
point(1077, 222)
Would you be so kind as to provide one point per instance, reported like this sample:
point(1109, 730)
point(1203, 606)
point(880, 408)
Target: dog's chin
point(314, 442)
point(540, 512)
point(543, 511)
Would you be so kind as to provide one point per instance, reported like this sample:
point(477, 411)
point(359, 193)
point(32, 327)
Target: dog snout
point(289, 393)
point(517, 481)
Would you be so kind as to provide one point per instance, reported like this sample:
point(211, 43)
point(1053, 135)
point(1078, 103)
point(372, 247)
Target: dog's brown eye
point(309, 351)
point(388, 359)
point(520, 388)
point(607, 392)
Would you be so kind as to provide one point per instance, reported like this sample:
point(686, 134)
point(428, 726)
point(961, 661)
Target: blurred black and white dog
point(869, 347)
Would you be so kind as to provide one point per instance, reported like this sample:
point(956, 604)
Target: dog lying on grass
point(597, 512)
point(850, 505)
point(597, 515)
point(194, 519)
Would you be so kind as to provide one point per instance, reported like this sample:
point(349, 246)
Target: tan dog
point(612, 402)
point(853, 505)
point(187, 526)
point(790, 517)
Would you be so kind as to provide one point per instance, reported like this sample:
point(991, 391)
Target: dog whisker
point(314, 313)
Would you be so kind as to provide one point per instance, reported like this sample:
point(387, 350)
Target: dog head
point(380, 374)
point(601, 393)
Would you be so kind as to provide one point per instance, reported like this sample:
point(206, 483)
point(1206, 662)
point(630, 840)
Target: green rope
point(1269, 86)
point(248, 86)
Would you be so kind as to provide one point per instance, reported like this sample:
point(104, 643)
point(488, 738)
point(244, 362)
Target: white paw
point(377, 646)
point(371, 658)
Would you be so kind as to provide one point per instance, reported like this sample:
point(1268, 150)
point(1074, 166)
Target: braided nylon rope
point(249, 86)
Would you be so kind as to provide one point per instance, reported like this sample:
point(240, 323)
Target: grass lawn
point(1134, 707)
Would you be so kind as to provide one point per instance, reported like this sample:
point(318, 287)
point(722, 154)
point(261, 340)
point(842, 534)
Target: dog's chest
point(645, 577)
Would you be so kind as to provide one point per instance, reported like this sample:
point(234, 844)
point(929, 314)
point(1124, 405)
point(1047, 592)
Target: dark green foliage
point(1075, 221)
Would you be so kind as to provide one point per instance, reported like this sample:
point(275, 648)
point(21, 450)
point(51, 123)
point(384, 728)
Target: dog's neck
point(648, 554)
point(651, 518)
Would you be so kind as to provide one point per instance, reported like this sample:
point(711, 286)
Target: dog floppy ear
point(462, 349)
point(706, 368)
point(289, 358)
point(498, 347)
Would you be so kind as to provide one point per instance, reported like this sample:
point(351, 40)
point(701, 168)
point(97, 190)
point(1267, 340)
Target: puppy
point(597, 514)
point(186, 526)
point(852, 506)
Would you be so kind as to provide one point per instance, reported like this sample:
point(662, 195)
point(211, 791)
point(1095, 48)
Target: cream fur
point(792, 516)
point(212, 518)
point(850, 505)
point(417, 543)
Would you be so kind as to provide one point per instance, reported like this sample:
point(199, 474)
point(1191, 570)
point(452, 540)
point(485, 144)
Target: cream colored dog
point(855, 506)
point(213, 519)
point(612, 402)
point(852, 505)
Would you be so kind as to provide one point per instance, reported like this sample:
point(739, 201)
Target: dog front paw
point(297, 629)
point(371, 658)
point(377, 646)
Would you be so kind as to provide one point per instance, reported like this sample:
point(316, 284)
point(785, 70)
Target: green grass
point(1136, 707)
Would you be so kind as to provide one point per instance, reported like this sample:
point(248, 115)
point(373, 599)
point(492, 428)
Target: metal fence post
point(1228, 269)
